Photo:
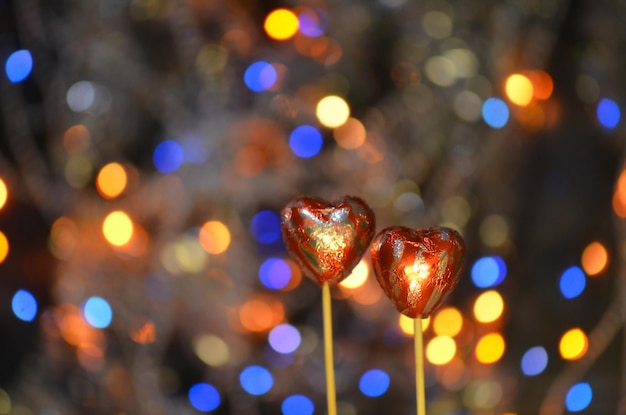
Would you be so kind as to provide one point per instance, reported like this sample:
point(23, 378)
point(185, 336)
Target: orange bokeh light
point(594, 258)
point(619, 197)
point(542, 84)
point(111, 180)
point(261, 313)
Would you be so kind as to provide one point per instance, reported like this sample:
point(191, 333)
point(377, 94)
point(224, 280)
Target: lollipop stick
point(328, 350)
point(419, 367)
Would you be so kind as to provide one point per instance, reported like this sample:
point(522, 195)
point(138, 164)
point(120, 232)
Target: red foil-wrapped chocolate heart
point(327, 239)
point(417, 269)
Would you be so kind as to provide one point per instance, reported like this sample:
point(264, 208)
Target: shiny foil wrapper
point(417, 269)
point(327, 239)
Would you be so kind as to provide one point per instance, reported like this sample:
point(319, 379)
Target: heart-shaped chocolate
point(417, 269)
point(327, 239)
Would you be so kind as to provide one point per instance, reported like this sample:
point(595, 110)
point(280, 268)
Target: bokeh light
point(4, 247)
point(357, 277)
point(495, 112)
point(260, 313)
point(374, 382)
point(256, 380)
point(19, 65)
point(266, 227)
point(111, 180)
point(24, 305)
point(97, 312)
point(572, 282)
point(81, 96)
point(281, 24)
point(594, 258)
point(212, 350)
point(275, 273)
point(260, 76)
point(332, 111)
point(407, 324)
point(310, 23)
point(204, 397)
point(284, 338)
point(297, 405)
point(351, 134)
point(448, 322)
point(305, 141)
point(573, 344)
point(440, 350)
point(619, 196)
point(117, 228)
point(3, 193)
point(608, 113)
point(578, 397)
point(488, 306)
point(214, 237)
point(490, 348)
point(543, 85)
point(488, 271)
point(534, 361)
point(168, 156)
point(519, 89)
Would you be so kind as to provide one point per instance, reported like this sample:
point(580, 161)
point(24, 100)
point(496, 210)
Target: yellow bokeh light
point(212, 350)
point(440, 350)
point(332, 111)
point(573, 344)
point(519, 89)
point(281, 24)
point(357, 277)
point(214, 237)
point(111, 180)
point(490, 348)
point(3, 193)
point(4, 247)
point(117, 228)
point(448, 322)
point(488, 306)
point(351, 134)
point(407, 324)
point(594, 258)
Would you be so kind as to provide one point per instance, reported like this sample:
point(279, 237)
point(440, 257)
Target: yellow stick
point(419, 367)
point(328, 350)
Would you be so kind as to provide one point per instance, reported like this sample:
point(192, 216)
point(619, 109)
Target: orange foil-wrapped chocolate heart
point(327, 239)
point(417, 269)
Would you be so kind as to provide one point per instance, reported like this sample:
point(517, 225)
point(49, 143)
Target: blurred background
point(148, 146)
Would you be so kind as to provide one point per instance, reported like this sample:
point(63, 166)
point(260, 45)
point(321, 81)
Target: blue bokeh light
point(256, 380)
point(204, 397)
point(572, 282)
point(266, 226)
point(97, 312)
point(374, 382)
point(168, 156)
point(284, 338)
point(578, 397)
point(19, 65)
point(24, 305)
point(297, 405)
point(608, 113)
point(495, 112)
point(488, 271)
point(275, 273)
point(534, 361)
point(260, 76)
point(305, 141)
